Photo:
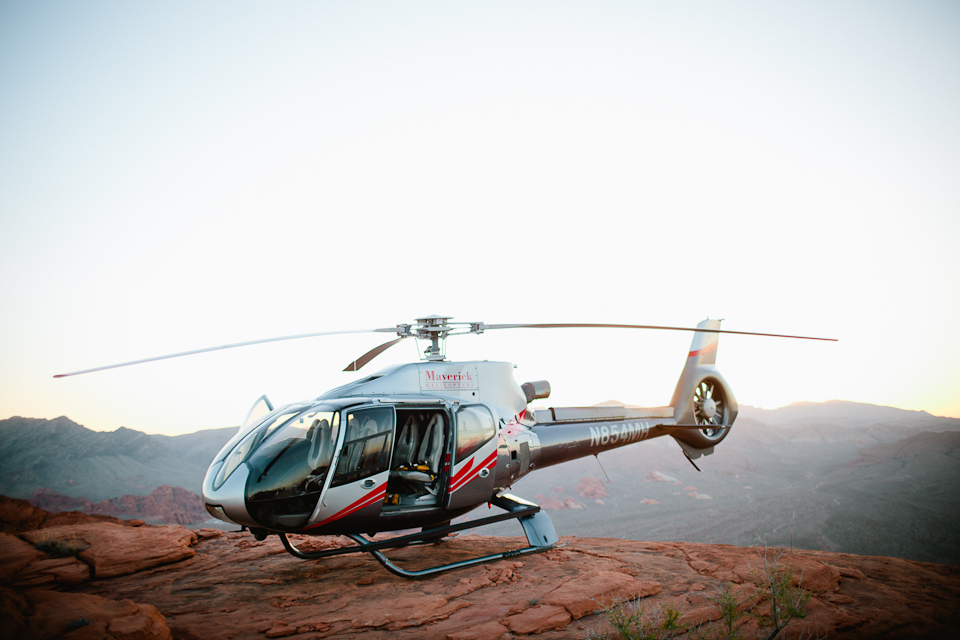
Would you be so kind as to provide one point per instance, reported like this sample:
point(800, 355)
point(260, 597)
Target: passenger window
point(366, 450)
point(474, 428)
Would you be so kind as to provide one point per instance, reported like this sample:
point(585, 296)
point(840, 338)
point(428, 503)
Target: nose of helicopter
point(227, 502)
point(273, 474)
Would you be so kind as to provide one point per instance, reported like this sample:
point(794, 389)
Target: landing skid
point(537, 526)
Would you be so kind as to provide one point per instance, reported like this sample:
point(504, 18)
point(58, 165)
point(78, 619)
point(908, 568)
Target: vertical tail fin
point(703, 353)
point(704, 345)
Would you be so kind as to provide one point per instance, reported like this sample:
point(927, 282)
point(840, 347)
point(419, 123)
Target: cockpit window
point(267, 427)
point(251, 439)
point(474, 428)
point(366, 449)
point(289, 468)
point(310, 439)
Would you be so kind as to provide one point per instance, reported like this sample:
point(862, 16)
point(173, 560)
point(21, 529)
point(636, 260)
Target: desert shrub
point(729, 604)
point(776, 603)
point(61, 547)
point(774, 578)
point(633, 622)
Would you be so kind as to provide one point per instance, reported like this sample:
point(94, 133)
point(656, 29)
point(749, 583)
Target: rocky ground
point(124, 579)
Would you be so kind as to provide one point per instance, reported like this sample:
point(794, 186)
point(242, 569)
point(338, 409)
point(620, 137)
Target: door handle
point(368, 483)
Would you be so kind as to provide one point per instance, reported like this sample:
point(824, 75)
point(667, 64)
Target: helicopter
point(415, 446)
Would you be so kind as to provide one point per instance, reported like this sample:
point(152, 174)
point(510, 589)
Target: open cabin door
point(474, 457)
point(420, 467)
point(362, 465)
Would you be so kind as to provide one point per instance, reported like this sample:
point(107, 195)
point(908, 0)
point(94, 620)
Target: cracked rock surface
point(231, 586)
point(235, 587)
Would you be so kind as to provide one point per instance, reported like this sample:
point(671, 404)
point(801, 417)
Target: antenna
point(597, 456)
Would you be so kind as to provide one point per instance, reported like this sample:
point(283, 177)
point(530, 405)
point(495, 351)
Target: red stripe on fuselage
point(466, 474)
point(378, 494)
point(460, 474)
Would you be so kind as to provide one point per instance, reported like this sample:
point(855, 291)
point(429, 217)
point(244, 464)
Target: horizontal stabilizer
point(588, 414)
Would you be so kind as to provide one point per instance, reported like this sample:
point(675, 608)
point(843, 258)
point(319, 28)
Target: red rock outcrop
point(172, 505)
point(552, 505)
point(235, 587)
point(595, 590)
point(53, 501)
point(88, 541)
point(114, 550)
point(556, 504)
point(24, 566)
point(538, 619)
point(19, 515)
point(592, 488)
point(77, 615)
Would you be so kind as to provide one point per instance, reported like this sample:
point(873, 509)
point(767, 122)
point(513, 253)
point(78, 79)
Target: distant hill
point(199, 447)
point(842, 413)
point(67, 458)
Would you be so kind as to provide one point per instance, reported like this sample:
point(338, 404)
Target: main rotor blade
point(370, 355)
point(641, 326)
point(226, 346)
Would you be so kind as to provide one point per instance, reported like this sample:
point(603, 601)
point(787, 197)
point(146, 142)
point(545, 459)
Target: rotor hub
point(435, 329)
point(709, 408)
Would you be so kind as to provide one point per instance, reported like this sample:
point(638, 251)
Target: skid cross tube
point(423, 573)
point(524, 511)
point(403, 541)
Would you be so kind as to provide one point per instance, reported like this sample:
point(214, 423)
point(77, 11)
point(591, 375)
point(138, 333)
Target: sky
point(181, 175)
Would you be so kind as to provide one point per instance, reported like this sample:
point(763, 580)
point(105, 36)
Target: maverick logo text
point(457, 380)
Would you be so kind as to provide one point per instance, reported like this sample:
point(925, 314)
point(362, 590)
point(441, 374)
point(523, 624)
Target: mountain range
point(833, 476)
point(67, 458)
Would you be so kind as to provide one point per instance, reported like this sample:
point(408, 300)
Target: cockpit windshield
point(256, 418)
point(249, 437)
point(289, 466)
